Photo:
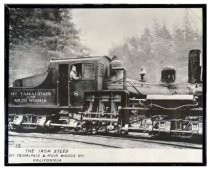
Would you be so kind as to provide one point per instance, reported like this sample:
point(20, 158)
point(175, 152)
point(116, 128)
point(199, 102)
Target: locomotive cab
point(90, 73)
point(65, 90)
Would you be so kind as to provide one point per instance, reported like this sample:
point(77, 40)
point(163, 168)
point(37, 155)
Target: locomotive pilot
point(74, 74)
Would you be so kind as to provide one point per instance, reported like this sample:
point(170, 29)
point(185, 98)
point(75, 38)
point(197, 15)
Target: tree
point(156, 49)
point(136, 52)
point(37, 35)
point(49, 28)
point(184, 41)
point(163, 48)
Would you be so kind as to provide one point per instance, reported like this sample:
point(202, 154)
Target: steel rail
point(124, 138)
point(161, 142)
point(61, 139)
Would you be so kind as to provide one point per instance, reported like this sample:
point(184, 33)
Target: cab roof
point(78, 59)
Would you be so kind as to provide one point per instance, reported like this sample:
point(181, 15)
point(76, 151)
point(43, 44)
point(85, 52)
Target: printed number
point(17, 145)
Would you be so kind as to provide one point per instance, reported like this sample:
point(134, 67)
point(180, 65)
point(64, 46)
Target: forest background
point(37, 35)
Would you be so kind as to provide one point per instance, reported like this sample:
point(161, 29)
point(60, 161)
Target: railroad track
point(62, 139)
point(176, 142)
point(153, 141)
point(110, 141)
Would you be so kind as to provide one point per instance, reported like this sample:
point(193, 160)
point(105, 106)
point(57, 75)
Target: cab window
point(88, 72)
point(101, 69)
point(78, 68)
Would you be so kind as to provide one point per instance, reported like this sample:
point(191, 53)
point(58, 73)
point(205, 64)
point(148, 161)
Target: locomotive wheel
point(87, 127)
point(107, 130)
point(17, 128)
point(155, 134)
point(119, 131)
point(94, 131)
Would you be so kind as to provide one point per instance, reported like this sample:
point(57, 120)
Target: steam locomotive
point(103, 99)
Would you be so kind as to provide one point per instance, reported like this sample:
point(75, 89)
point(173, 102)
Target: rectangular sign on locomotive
point(91, 84)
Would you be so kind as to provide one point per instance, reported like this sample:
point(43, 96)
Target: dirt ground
point(25, 140)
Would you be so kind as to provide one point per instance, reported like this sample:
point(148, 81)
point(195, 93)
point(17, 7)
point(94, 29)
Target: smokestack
point(194, 68)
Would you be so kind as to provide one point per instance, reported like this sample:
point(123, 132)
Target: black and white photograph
point(107, 84)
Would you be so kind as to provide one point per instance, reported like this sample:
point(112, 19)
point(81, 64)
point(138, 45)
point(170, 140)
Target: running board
point(100, 119)
point(139, 129)
point(64, 125)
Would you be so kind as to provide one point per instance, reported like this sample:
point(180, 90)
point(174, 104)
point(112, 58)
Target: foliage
point(156, 48)
point(37, 35)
